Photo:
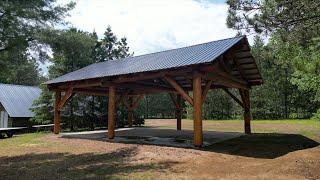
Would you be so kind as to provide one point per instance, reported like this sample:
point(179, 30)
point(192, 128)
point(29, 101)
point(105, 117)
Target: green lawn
point(44, 155)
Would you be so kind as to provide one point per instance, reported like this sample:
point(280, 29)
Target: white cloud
point(154, 25)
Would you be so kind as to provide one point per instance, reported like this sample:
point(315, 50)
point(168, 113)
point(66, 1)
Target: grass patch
point(12, 146)
point(22, 139)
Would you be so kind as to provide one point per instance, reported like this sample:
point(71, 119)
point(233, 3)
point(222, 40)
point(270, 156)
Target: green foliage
point(157, 106)
point(307, 71)
point(20, 24)
point(289, 63)
point(218, 105)
point(110, 48)
point(307, 66)
point(22, 20)
point(43, 107)
point(72, 50)
point(299, 17)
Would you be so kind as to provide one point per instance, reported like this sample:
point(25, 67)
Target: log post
point(111, 112)
point(130, 117)
point(246, 106)
point(57, 115)
point(130, 112)
point(178, 112)
point(131, 107)
point(197, 111)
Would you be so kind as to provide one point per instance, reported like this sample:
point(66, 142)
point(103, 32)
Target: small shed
point(224, 64)
point(15, 104)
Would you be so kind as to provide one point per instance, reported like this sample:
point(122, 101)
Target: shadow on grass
point(70, 166)
point(263, 145)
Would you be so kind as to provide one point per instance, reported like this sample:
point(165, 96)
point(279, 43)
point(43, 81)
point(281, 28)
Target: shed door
point(3, 119)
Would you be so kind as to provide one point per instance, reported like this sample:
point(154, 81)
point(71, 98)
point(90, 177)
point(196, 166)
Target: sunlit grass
point(22, 139)
point(307, 127)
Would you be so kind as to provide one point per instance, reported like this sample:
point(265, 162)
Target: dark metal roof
point(17, 100)
point(196, 54)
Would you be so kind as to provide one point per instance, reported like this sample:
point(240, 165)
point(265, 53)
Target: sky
point(151, 25)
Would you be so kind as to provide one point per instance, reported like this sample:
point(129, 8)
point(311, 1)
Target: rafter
point(223, 65)
point(227, 80)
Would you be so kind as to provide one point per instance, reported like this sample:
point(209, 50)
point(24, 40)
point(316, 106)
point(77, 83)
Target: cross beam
point(131, 107)
point(179, 89)
point(233, 97)
point(68, 94)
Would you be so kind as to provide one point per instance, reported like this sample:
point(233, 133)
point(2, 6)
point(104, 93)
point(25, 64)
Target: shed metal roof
point(17, 99)
point(196, 54)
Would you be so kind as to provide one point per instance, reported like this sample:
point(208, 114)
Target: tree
point(20, 21)
point(299, 17)
point(110, 48)
point(43, 107)
point(292, 25)
point(72, 50)
point(20, 24)
point(307, 70)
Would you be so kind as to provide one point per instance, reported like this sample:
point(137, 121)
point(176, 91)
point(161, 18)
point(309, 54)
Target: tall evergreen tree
point(72, 50)
point(20, 24)
point(110, 48)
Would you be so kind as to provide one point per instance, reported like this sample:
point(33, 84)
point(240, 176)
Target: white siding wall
point(3, 117)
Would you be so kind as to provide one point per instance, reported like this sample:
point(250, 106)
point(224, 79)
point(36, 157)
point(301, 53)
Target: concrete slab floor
point(154, 136)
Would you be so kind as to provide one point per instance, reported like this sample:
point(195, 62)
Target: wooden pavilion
point(225, 64)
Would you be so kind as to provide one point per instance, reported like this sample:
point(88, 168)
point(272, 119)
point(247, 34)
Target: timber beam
point(178, 109)
point(68, 94)
point(179, 89)
point(227, 81)
point(213, 72)
point(57, 113)
point(111, 112)
point(131, 107)
point(174, 100)
point(136, 102)
point(197, 111)
point(246, 106)
point(151, 75)
point(233, 97)
point(206, 90)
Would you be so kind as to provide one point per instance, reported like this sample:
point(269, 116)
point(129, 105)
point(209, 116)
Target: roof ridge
point(126, 58)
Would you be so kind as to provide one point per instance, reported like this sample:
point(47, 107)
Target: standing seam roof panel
point(17, 100)
point(196, 54)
